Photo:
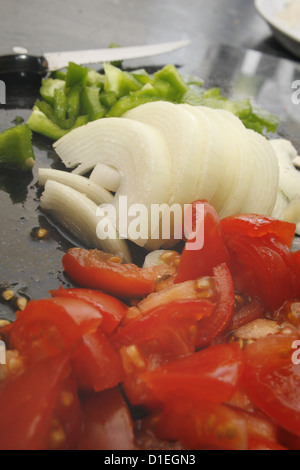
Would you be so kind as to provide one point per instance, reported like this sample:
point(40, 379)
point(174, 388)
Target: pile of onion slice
point(165, 153)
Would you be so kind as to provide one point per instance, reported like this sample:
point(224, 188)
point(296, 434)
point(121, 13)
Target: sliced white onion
point(77, 214)
point(237, 167)
point(289, 177)
point(154, 258)
point(281, 203)
point(291, 212)
point(94, 192)
point(262, 194)
point(211, 153)
point(136, 150)
point(106, 176)
point(185, 139)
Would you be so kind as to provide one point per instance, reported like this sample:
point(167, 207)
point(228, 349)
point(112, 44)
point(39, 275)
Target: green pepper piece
point(59, 74)
point(107, 98)
point(118, 81)
point(73, 102)
point(142, 76)
point(46, 108)
point(76, 75)
point(40, 123)
point(129, 102)
point(47, 90)
point(90, 104)
point(171, 75)
point(60, 104)
point(16, 147)
point(95, 78)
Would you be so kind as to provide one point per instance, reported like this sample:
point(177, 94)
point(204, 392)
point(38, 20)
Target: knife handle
point(23, 64)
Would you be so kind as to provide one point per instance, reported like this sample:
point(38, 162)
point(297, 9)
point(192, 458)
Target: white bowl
point(285, 29)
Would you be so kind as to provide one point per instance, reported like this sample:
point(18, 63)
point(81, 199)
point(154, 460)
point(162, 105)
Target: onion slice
point(106, 176)
point(77, 214)
point(93, 191)
point(136, 150)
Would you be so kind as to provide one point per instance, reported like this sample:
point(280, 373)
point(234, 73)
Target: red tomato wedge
point(111, 309)
point(47, 327)
point(27, 405)
point(259, 226)
point(273, 381)
point(209, 375)
point(107, 422)
point(96, 364)
point(195, 263)
point(260, 258)
point(202, 425)
point(92, 269)
point(163, 333)
point(217, 323)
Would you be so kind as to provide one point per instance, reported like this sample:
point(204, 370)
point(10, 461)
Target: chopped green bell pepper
point(49, 85)
point(16, 147)
point(171, 75)
point(76, 75)
point(90, 104)
point(40, 123)
point(129, 102)
point(118, 81)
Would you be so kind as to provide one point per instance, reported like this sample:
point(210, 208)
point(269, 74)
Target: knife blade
point(51, 61)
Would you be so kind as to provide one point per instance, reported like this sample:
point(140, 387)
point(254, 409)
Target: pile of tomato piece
point(147, 358)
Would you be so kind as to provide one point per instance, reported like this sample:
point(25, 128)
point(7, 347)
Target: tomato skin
point(211, 375)
point(87, 268)
point(96, 364)
point(261, 261)
point(259, 226)
point(67, 419)
point(107, 422)
point(111, 309)
point(202, 425)
point(50, 326)
point(165, 332)
point(198, 263)
point(27, 404)
point(209, 328)
point(273, 381)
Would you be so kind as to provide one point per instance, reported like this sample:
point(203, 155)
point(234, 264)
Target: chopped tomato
point(96, 364)
point(66, 423)
point(203, 288)
point(273, 380)
point(111, 309)
point(202, 425)
point(92, 269)
point(216, 324)
point(47, 327)
point(209, 375)
point(198, 262)
point(165, 332)
point(29, 402)
point(259, 226)
point(260, 259)
point(107, 422)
